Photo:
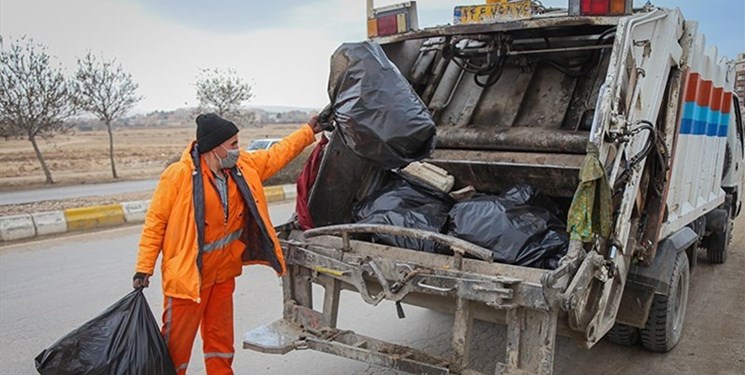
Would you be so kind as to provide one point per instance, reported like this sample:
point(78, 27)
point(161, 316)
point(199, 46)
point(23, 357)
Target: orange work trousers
point(213, 316)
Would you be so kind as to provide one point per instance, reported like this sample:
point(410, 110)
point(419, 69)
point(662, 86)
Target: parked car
point(262, 144)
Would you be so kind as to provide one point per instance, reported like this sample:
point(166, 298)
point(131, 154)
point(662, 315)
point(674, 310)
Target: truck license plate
point(490, 13)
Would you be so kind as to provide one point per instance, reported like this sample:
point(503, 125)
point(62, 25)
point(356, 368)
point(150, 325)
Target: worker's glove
point(326, 119)
point(315, 125)
point(140, 280)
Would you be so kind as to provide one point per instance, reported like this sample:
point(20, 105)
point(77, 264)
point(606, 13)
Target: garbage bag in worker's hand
point(124, 339)
point(380, 116)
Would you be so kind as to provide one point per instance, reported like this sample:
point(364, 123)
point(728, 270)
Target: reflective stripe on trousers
point(182, 318)
point(218, 355)
point(168, 319)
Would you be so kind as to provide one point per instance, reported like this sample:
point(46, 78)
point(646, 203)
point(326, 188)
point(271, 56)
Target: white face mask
point(230, 160)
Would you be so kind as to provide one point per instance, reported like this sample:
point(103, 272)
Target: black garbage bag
point(124, 339)
point(516, 233)
point(524, 194)
point(378, 113)
point(404, 204)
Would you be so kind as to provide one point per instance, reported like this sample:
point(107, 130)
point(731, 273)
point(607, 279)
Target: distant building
point(740, 80)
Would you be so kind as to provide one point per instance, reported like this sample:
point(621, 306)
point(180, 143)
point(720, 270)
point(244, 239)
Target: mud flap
point(643, 283)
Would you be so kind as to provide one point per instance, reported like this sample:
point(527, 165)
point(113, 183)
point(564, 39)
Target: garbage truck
point(625, 118)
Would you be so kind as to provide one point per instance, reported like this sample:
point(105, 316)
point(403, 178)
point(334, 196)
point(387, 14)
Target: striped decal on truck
point(707, 108)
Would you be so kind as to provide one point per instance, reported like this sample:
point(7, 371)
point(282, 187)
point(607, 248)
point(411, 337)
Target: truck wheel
point(718, 244)
point(667, 314)
point(623, 334)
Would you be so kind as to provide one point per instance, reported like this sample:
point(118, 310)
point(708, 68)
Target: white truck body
point(656, 102)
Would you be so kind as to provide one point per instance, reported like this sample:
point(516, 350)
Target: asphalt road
point(76, 191)
point(50, 287)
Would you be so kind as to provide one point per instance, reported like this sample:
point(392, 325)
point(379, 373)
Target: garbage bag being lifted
point(124, 339)
point(516, 231)
point(378, 113)
point(404, 204)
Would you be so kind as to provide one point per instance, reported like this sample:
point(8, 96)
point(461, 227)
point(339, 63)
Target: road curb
point(49, 222)
point(24, 226)
point(274, 194)
point(94, 217)
point(16, 227)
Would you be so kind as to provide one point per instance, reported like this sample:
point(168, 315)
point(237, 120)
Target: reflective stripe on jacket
point(177, 226)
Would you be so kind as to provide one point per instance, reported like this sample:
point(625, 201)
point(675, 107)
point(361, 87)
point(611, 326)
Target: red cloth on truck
point(305, 183)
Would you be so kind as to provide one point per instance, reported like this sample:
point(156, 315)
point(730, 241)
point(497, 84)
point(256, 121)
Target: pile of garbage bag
point(520, 226)
point(402, 203)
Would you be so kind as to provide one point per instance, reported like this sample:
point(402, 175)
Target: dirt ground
point(83, 158)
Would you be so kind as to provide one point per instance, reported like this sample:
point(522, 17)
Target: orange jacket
point(179, 228)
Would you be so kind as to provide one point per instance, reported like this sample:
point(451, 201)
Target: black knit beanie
point(212, 131)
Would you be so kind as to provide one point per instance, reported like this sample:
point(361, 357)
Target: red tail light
point(600, 7)
point(595, 7)
point(392, 19)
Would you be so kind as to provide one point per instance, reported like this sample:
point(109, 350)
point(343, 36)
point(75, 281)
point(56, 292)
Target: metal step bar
point(282, 336)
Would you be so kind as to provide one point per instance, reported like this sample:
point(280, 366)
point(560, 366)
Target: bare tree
point(223, 92)
point(35, 97)
point(106, 91)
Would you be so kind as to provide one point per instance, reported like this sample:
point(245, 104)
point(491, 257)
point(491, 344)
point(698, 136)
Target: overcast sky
point(282, 46)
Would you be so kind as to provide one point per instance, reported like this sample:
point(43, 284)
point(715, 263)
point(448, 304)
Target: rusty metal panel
point(328, 245)
point(480, 311)
point(492, 171)
point(524, 282)
point(499, 102)
point(582, 106)
point(521, 25)
point(547, 99)
point(465, 92)
point(528, 139)
point(531, 341)
point(572, 161)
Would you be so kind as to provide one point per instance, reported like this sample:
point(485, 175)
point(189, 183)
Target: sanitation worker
point(209, 218)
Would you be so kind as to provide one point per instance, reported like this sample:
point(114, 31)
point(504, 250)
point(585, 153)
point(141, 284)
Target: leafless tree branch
point(105, 90)
point(223, 92)
point(36, 98)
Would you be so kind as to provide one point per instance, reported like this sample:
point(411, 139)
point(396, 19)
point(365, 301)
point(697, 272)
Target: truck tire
point(717, 244)
point(667, 314)
point(623, 334)
point(727, 160)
